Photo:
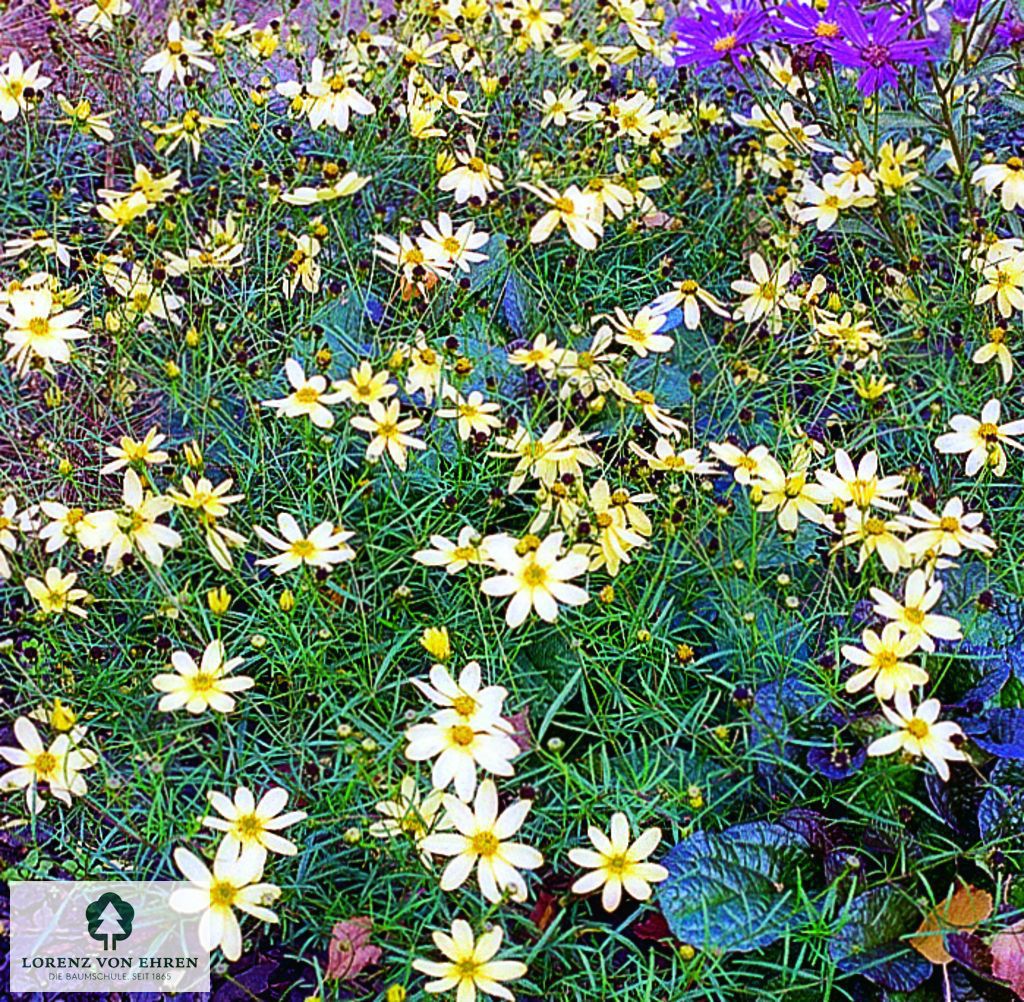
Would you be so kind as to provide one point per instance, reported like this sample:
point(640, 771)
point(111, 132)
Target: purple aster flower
point(719, 33)
point(803, 24)
point(1010, 30)
point(877, 46)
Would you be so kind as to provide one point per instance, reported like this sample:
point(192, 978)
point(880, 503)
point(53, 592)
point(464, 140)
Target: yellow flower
point(617, 865)
point(996, 349)
point(207, 685)
point(481, 839)
point(234, 883)
point(913, 615)
point(469, 964)
point(982, 440)
point(789, 494)
point(918, 733)
point(881, 661)
point(56, 593)
point(434, 641)
point(388, 434)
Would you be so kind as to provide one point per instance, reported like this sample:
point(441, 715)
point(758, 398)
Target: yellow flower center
point(918, 728)
point(688, 287)
point(39, 327)
point(616, 864)
point(464, 706)
point(45, 764)
point(485, 844)
point(726, 44)
point(534, 575)
point(307, 395)
point(451, 245)
point(462, 735)
point(874, 527)
point(949, 524)
point(603, 520)
point(74, 516)
point(565, 205)
point(175, 48)
point(303, 549)
point(988, 431)
point(222, 894)
point(885, 660)
point(1015, 163)
point(477, 166)
point(913, 615)
point(248, 826)
point(202, 681)
point(826, 29)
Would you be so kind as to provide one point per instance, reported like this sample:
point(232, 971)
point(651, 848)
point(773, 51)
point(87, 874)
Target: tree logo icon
point(109, 918)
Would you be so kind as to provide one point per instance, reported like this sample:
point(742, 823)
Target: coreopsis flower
point(561, 108)
point(543, 354)
point(99, 15)
point(668, 459)
point(426, 371)
point(189, 128)
point(1003, 282)
point(469, 965)
point(233, 883)
point(120, 208)
point(656, 416)
point(948, 533)
point(745, 464)
point(178, 57)
point(846, 339)
point(59, 766)
point(767, 295)
point(410, 814)
point(324, 547)
point(822, 204)
point(38, 328)
point(142, 296)
point(467, 549)
point(302, 268)
point(620, 525)
point(919, 732)
point(309, 397)
point(913, 614)
point(436, 642)
point(995, 349)
point(473, 177)
point(481, 839)
point(134, 528)
point(1008, 176)
point(854, 175)
point(475, 705)
point(250, 828)
point(144, 452)
point(202, 496)
point(531, 22)
point(475, 416)
point(81, 116)
point(56, 592)
point(537, 578)
point(874, 535)
point(618, 865)
point(220, 249)
point(689, 295)
point(198, 687)
point(640, 332)
point(458, 247)
point(364, 386)
point(10, 521)
point(982, 440)
point(328, 99)
point(419, 266)
point(17, 82)
point(861, 486)
point(45, 243)
point(574, 209)
point(344, 187)
point(458, 750)
point(388, 433)
point(65, 523)
point(881, 661)
point(790, 494)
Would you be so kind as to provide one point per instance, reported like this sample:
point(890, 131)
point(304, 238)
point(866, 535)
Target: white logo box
point(103, 936)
